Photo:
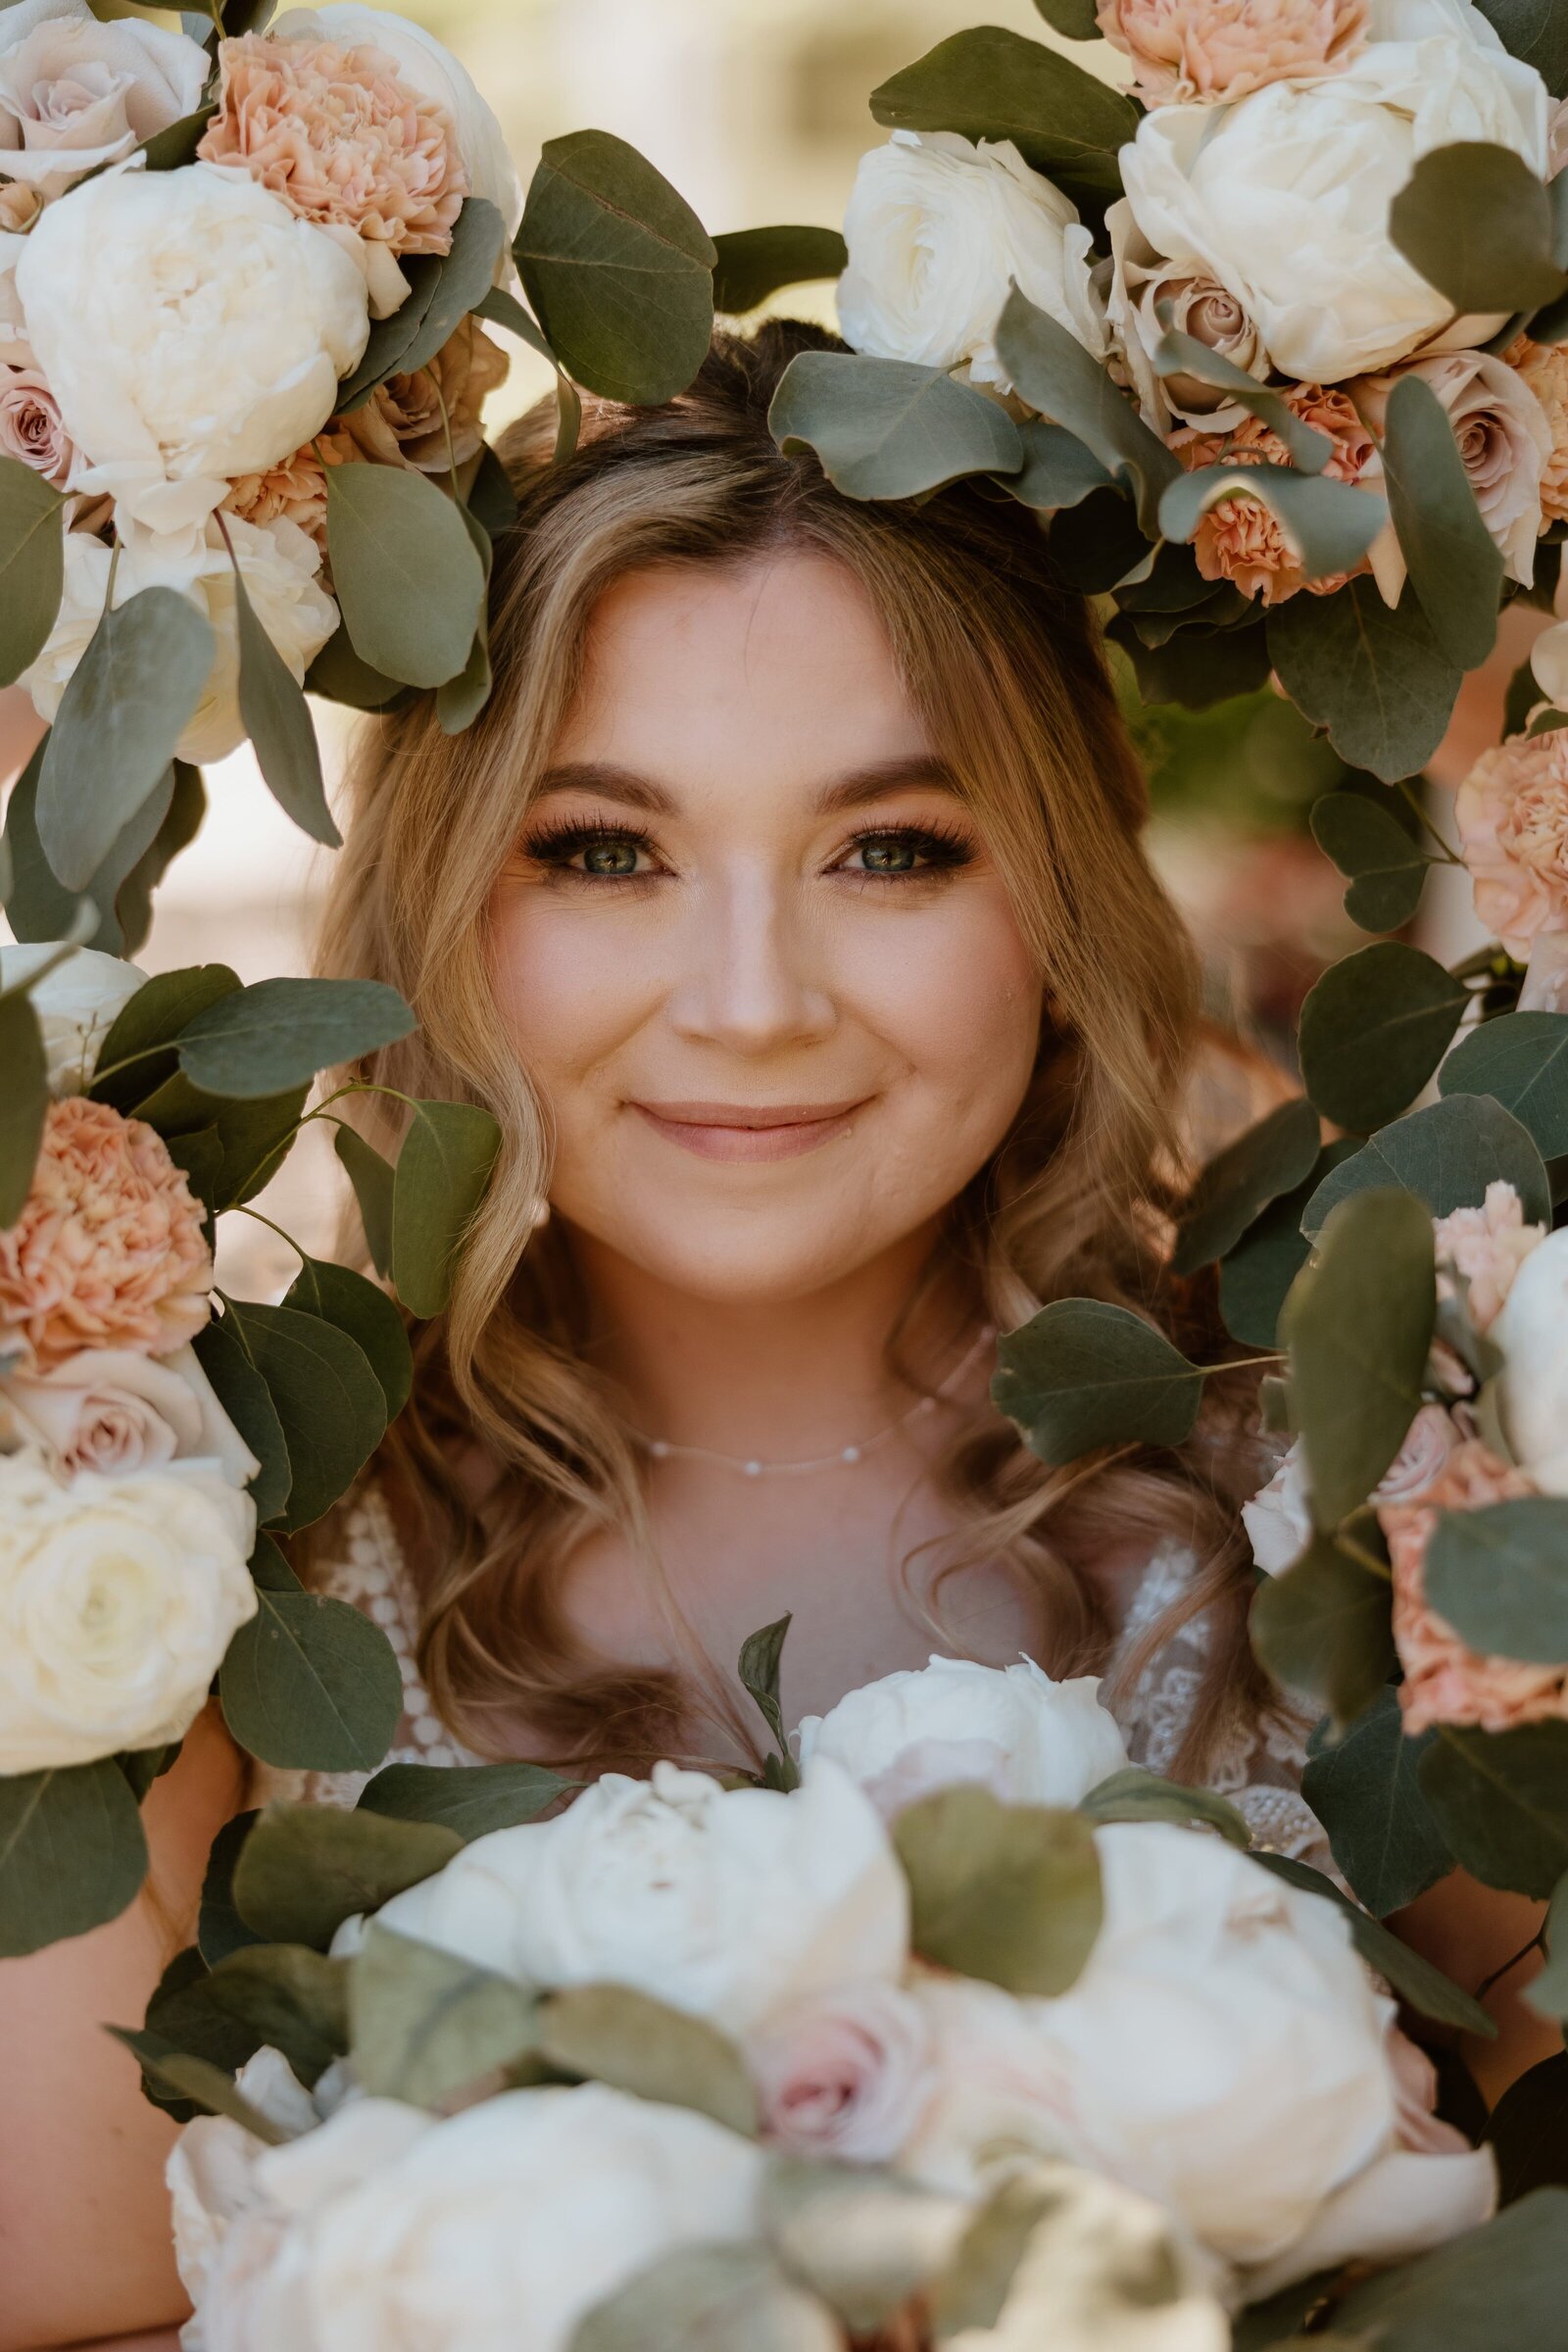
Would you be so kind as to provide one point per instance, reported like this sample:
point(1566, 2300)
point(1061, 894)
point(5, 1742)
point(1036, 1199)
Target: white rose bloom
point(724, 1902)
point(192, 329)
point(76, 94)
point(1532, 1330)
point(1030, 1740)
point(1283, 198)
point(938, 229)
point(114, 1411)
point(77, 1005)
point(117, 1599)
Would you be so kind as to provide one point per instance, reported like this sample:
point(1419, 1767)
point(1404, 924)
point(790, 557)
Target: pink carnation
point(846, 2075)
point(295, 490)
point(1444, 1680)
point(340, 139)
point(1220, 49)
point(1486, 1246)
point(1512, 814)
point(1239, 538)
point(109, 1249)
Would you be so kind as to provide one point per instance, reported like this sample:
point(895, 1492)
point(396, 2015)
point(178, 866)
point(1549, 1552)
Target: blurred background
point(755, 110)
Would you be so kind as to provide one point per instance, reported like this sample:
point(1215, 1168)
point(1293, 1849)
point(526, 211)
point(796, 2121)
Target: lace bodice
point(1260, 1769)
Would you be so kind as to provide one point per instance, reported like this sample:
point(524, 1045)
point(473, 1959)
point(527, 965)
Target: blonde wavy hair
point(1006, 668)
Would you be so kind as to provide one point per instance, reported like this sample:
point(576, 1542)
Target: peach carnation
point(1444, 1680)
point(1187, 50)
point(109, 1249)
point(340, 138)
point(1240, 539)
point(1513, 815)
point(400, 424)
point(294, 491)
point(1544, 370)
point(1486, 1247)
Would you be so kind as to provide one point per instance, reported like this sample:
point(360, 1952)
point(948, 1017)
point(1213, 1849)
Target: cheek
point(568, 991)
point(960, 1000)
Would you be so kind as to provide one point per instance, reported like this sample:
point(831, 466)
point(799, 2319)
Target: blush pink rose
point(109, 1249)
point(1444, 1680)
point(30, 430)
point(1239, 538)
point(846, 2075)
point(1513, 815)
point(1187, 50)
point(1486, 1247)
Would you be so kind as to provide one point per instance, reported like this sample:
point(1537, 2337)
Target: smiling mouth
point(749, 1130)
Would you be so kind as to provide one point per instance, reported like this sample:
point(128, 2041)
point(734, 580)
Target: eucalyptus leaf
point(175, 145)
point(611, 2034)
point(275, 718)
point(1414, 1978)
point(248, 1401)
point(1097, 545)
point(492, 501)
point(864, 2238)
point(138, 1054)
point(32, 564)
point(1378, 681)
point(1323, 1626)
point(340, 1295)
point(1331, 525)
point(1536, 32)
point(290, 1997)
point(1499, 1577)
point(1197, 668)
point(761, 1654)
point(714, 2298)
point(280, 1033)
point(1374, 1029)
point(405, 571)
point(1446, 1155)
point(304, 1869)
point(471, 1798)
point(1365, 1789)
point(426, 2024)
point(1256, 1276)
point(1057, 471)
point(1056, 376)
point(754, 263)
point(1477, 223)
point(220, 1928)
point(1079, 20)
point(1501, 1801)
point(73, 1853)
point(467, 273)
point(989, 83)
point(1135, 1794)
point(309, 1684)
point(339, 674)
point(183, 2020)
point(1455, 563)
point(1502, 2285)
point(1387, 869)
point(1178, 354)
point(1521, 1061)
point(1082, 1374)
point(23, 1103)
point(391, 337)
point(372, 1180)
point(460, 701)
point(1271, 1159)
point(1528, 2131)
point(1010, 1893)
point(442, 1173)
point(881, 428)
point(328, 1400)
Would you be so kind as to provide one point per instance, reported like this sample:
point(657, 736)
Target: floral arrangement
point(962, 2032)
point(148, 1442)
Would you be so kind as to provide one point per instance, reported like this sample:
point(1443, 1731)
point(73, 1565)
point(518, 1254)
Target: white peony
point(77, 1005)
point(1283, 199)
point(117, 1599)
point(191, 329)
point(724, 1902)
point(938, 229)
point(281, 564)
point(1532, 1330)
point(115, 1411)
point(426, 66)
point(1030, 1740)
point(76, 94)
point(212, 2165)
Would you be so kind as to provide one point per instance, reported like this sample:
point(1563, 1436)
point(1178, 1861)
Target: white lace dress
point(1259, 1771)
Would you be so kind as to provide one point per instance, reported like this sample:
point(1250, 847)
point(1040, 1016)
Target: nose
point(751, 979)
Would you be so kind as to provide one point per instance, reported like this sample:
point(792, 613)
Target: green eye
point(610, 857)
point(890, 857)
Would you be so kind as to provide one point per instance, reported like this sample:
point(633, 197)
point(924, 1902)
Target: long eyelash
point(947, 845)
point(555, 845)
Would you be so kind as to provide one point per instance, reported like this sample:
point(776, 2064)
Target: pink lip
point(747, 1131)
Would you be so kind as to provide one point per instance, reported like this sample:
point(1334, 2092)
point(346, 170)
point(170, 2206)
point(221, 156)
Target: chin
point(753, 1260)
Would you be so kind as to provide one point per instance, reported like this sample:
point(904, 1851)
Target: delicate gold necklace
point(664, 1449)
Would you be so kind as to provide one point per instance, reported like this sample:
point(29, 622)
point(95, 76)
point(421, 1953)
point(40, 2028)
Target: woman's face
point(752, 946)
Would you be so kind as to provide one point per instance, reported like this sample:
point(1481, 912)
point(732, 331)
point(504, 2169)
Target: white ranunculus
point(1284, 197)
point(1402, 2205)
point(191, 327)
point(117, 1599)
point(114, 1411)
point(1030, 1740)
point(77, 93)
point(726, 1902)
point(77, 1005)
point(1532, 1330)
point(938, 229)
point(426, 66)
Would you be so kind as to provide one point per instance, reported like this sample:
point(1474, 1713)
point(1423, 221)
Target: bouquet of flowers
point(964, 2033)
point(145, 1439)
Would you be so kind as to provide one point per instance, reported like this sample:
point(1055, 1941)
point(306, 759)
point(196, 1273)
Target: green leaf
point(197, 2081)
point(278, 1033)
point(1067, 384)
point(339, 1295)
point(881, 428)
point(1446, 1155)
point(1098, 544)
point(126, 704)
point(1177, 354)
point(247, 1399)
point(1255, 1277)
point(328, 1400)
point(761, 1654)
point(1366, 1792)
point(1520, 1059)
point(1271, 1159)
point(988, 83)
point(619, 269)
point(1135, 1794)
point(1455, 563)
point(1426, 1989)
point(754, 262)
point(1496, 2289)
point(442, 1173)
point(372, 1178)
point(32, 564)
point(1534, 31)
point(1323, 1628)
point(309, 1684)
point(405, 570)
point(132, 1061)
point(128, 919)
point(1499, 1576)
point(426, 2024)
point(1374, 1029)
point(184, 2021)
point(610, 2033)
point(1332, 524)
point(1078, 19)
point(1378, 681)
point(467, 273)
point(338, 673)
point(1477, 223)
point(23, 1103)
point(73, 1853)
point(471, 1798)
point(460, 701)
point(1528, 2131)
point(274, 714)
point(304, 1869)
point(1387, 870)
point(1199, 668)
point(220, 1928)
point(1501, 1801)
point(1081, 1374)
point(492, 501)
point(714, 2298)
point(1057, 471)
point(290, 1997)
point(1010, 1893)
point(175, 145)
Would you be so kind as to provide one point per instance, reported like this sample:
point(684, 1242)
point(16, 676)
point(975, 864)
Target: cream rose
point(726, 1902)
point(1532, 1330)
point(191, 329)
point(845, 2074)
point(1283, 199)
point(1030, 1740)
point(77, 1005)
point(1279, 1518)
point(117, 1599)
point(1141, 282)
point(1504, 438)
point(114, 1411)
point(77, 93)
point(938, 229)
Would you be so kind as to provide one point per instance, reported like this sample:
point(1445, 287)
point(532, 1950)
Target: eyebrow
point(850, 791)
